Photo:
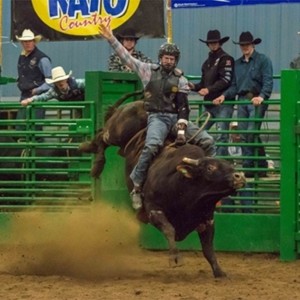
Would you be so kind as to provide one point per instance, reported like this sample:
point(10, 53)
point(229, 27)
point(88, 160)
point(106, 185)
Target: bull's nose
point(239, 180)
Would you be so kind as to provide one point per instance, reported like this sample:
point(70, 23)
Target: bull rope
point(208, 115)
point(141, 132)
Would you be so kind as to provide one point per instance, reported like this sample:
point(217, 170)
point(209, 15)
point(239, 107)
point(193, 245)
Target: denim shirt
point(255, 76)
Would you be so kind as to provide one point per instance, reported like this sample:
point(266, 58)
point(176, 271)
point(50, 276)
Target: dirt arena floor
point(84, 255)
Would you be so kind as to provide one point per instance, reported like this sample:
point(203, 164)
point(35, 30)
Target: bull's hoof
point(175, 260)
point(219, 273)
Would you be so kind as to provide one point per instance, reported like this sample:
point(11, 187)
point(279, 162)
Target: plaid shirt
point(115, 64)
point(144, 70)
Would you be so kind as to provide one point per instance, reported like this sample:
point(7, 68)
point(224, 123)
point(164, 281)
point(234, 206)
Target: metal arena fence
point(43, 168)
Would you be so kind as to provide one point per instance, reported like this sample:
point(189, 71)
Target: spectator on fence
point(128, 39)
point(34, 66)
point(217, 73)
point(65, 88)
point(253, 81)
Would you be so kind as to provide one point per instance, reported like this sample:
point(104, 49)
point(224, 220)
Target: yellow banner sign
point(82, 17)
point(79, 19)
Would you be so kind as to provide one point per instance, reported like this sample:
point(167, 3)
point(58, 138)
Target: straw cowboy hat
point(214, 36)
point(128, 33)
point(58, 74)
point(28, 35)
point(246, 38)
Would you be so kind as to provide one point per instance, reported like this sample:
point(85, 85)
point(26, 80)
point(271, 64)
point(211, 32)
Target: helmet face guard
point(169, 49)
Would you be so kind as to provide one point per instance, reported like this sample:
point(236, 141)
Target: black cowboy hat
point(247, 38)
point(214, 36)
point(128, 33)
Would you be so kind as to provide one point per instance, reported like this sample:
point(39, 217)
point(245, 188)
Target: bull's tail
point(111, 109)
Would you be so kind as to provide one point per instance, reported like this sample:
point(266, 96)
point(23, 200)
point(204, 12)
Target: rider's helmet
point(169, 49)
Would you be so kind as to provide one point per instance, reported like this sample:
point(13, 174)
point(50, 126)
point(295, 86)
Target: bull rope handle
point(208, 116)
point(200, 128)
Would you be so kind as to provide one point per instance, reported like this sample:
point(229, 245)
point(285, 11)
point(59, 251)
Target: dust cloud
point(87, 243)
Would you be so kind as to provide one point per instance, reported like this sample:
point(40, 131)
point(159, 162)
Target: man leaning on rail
point(253, 81)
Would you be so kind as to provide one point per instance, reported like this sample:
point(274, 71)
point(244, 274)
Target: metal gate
point(42, 168)
point(272, 226)
point(290, 167)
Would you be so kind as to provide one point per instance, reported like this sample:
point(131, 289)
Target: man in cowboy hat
point(128, 39)
point(217, 73)
point(253, 81)
point(64, 88)
point(34, 67)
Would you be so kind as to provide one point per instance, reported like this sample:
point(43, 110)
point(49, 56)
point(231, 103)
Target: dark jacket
point(217, 74)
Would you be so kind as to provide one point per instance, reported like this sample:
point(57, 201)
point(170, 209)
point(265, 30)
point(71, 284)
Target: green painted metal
point(239, 230)
point(6, 80)
point(106, 88)
point(290, 116)
point(270, 228)
point(61, 132)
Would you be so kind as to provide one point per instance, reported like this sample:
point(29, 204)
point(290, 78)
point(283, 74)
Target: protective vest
point(30, 75)
point(161, 90)
point(74, 93)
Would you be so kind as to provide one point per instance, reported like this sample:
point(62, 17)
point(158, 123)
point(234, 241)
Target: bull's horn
point(190, 161)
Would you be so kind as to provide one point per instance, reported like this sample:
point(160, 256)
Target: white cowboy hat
point(28, 35)
point(58, 74)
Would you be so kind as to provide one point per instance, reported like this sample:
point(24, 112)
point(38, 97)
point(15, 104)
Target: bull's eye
point(211, 168)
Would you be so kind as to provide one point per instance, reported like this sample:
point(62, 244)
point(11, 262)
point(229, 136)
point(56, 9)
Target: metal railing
point(43, 167)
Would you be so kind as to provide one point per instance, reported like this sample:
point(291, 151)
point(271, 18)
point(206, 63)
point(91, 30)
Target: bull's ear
point(184, 170)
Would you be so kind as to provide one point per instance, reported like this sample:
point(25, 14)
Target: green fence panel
point(272, 226)
point(234, 232)
point(106, 88)
point(42, 168)
point(290, 117)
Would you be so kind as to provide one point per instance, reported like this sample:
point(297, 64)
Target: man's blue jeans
point(249, 111)
point(158, 128)
point(201, 139)
point(220, 111)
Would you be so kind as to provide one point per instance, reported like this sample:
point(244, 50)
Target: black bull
point(182, 185)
